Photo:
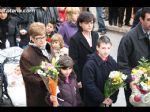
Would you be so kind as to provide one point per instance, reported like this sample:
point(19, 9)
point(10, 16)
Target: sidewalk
point(122, 29)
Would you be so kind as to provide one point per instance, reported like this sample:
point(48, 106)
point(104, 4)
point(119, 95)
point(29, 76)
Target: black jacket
point(95, 73)
point(8, 30)
point(45, 17)
point(24, 19)
point(79, 49)
point(133, 46)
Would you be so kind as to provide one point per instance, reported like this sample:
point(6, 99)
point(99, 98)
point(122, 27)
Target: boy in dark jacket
point(96, 72)
point(69, 92)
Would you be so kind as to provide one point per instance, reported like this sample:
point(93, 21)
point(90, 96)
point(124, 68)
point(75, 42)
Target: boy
point(96, 72)
point(50, 30)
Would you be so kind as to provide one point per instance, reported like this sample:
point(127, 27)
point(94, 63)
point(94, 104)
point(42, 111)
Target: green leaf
point(34, 69)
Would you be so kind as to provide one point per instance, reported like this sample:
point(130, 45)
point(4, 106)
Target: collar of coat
point(140, 31)
point(86, 44)
point(98, 60)
point(47, 47)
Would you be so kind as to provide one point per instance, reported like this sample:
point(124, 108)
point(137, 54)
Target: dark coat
point(36, 91)
point(95, 73)
point(136, 18)
point(79, 49)
point(69, 92)
point(8, 30)
point(133, 46)
point(45, 17)
point(24, 19)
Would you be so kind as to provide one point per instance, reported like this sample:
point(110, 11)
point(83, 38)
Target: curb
point(123, 29)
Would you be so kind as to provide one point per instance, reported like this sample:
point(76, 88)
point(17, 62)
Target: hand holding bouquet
point(114, 82)
point(49, 74)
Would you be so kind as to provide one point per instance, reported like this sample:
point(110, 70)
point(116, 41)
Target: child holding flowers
point(69, 92)
point(96, 72)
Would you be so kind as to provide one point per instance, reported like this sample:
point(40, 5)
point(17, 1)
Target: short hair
point(103, 39)
point(53, 23)
point(58, 37)
point(65, 61)
point(69, 12)
point(144, 11)
point(37, 28)
point(85, 17)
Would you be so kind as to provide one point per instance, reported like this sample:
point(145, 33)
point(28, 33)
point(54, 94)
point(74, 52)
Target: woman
point(8, 29)
point(83, 43)
point(33, 55)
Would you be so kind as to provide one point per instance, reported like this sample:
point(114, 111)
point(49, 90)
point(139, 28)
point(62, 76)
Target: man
point(101, 24)
point(33, 55)
point(133, 46)
point(47, 14)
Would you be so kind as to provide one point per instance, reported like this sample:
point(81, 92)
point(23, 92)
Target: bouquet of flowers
point(49, 74)
point(115, 81)
point(141, 79)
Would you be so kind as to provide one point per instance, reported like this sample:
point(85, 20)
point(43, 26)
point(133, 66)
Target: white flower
point(44, 74)
point(43, 65)
point(40, 72)
point(112, 74)
point(124, 77)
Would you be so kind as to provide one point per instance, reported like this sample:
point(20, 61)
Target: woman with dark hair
point(83, 43)
point(8, 29)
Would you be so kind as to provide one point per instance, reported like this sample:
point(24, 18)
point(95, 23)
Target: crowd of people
point(66, 33)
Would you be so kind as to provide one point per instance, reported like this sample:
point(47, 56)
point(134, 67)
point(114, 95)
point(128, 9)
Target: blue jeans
point(101, 24)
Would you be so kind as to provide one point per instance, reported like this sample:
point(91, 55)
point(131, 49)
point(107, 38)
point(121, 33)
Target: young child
point(69, 27)
point(15, 79)
point(50, 30)
point(96, 72)
point(67, 84)
point(57, 46)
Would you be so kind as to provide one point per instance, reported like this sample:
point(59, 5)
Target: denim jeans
point(101, 24)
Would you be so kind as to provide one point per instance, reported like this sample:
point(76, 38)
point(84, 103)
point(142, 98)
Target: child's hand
point(107, 101)
point(54, 100)
point(79, 84)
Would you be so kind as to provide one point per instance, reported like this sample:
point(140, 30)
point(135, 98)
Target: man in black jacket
point(47, 14)
point(133, 46)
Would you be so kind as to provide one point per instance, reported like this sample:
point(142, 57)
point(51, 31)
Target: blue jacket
point(95, 73)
